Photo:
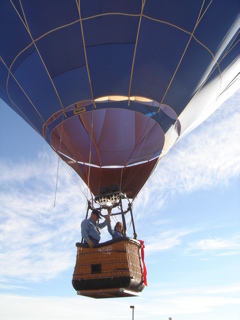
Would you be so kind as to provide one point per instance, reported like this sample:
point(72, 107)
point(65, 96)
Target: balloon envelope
point(113, 85)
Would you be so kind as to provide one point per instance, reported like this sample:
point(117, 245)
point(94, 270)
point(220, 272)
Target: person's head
point(95, 215)
point(119, 227)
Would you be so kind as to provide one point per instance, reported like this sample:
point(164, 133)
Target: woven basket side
point(115, 260)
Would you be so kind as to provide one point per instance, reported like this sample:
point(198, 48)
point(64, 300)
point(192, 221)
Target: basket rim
point(103, 244)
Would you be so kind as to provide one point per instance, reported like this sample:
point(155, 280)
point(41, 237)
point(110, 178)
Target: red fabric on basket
point(144, 266)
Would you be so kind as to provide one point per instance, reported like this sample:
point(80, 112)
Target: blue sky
point(187, 214)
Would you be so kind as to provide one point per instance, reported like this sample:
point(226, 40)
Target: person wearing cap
point(90, 228)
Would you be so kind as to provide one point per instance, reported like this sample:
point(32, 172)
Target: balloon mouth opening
point(121, 107)
point(113, 142)
point(108, 138)
point(88, 105)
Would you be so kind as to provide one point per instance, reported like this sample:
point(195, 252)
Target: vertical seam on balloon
point(100, 135)
point(215, 60)
point(90, 83)
point(90, 152)
point(84, 48)
point(13, 104)
point(135, 50)
point(180, 61)
point(205, 10)
point(91, 142)
point(141, 142)
point(187, 32)
point(84, 163)
point(69, 141)
point(9, 72)
point(35, 45)
point(90, 136)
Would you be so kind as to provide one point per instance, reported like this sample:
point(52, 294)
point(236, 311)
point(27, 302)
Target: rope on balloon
point(59, 149)
point(90, 157)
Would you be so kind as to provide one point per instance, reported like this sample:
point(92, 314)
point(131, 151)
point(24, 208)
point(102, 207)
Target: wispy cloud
point(217, 245)
point(207, 157)
point(167, 240)
point(35, 235)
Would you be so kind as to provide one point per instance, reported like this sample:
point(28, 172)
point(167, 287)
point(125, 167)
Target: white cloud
point(216, 244)
point(166, 240)
point(234, 288)
point(207, 157)
point(36, 237)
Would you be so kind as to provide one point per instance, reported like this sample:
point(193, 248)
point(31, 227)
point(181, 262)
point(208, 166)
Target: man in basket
point(91, 228)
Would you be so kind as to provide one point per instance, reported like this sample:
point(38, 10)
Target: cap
point(97, 213)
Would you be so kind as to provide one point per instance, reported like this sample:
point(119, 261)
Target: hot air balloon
point(112, 86)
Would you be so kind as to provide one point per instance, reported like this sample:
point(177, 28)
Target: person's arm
point(110, 230)
point(102, 224)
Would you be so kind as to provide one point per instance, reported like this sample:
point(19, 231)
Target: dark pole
point(134, 230)
point(132, 307)
point(123, 218)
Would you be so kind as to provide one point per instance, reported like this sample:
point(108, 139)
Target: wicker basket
point(113, 264)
